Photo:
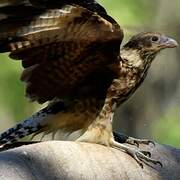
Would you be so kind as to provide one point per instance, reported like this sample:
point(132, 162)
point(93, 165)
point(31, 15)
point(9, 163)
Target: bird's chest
point(124, 86)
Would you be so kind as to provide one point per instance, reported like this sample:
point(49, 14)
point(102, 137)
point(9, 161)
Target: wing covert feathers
point(58, 47)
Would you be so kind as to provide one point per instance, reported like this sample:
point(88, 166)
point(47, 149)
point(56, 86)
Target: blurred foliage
point(166, 129)
point(128, 12)
point(11, 88)
point(147, 114)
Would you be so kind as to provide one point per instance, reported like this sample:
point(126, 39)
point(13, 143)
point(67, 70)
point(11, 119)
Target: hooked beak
point(167, 42)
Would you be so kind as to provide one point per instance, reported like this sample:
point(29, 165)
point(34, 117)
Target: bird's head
point(143, 48)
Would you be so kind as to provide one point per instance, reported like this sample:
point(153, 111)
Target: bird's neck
point(131, 58)
point(135, 59)
point(132, 74)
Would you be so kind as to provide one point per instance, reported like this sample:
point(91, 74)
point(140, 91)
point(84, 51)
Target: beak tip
point(175, 44)
point(171, 43)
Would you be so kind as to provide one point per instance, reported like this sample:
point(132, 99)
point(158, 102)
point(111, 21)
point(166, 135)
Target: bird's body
point(72, 58)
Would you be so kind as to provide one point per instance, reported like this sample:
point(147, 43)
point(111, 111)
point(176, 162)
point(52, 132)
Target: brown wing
point(58, 47)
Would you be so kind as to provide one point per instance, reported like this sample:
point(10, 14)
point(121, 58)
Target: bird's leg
point(100, 132)
point(123, 138)
point(136, 153)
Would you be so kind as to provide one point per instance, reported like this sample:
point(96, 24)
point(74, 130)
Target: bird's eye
point(154, 39)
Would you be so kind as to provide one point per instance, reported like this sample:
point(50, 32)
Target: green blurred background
point(154, 111)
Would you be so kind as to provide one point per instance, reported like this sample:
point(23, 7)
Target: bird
point(72, 59)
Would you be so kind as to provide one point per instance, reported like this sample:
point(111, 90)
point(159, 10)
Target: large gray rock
point(75, 161)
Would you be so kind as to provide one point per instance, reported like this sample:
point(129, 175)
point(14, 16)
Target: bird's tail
point(34, 124)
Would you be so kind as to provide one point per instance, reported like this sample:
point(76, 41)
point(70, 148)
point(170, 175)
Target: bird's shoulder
point(60, 43)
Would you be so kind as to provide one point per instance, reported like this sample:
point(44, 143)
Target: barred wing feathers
point(58, 47)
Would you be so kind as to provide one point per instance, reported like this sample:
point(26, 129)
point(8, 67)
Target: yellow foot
point(104, 137)
point(136, 153)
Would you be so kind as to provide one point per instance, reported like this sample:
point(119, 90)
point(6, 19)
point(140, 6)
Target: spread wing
point(59, 47)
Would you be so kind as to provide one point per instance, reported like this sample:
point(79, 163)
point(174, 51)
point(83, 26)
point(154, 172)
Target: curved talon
point(146, 153)
point(134, 155)
point(137, 142)
point(158, 162)
point(152, 142)
point(132, 142)
point(149, 159)
point(147, 142)
point(137, 154)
